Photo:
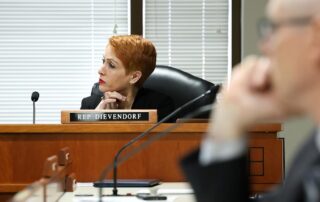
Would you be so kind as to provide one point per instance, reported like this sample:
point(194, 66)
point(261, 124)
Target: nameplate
point(109, 116)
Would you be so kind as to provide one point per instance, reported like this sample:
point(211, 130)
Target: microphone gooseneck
point(34, 98)
point(156, 137)
point(117, 161)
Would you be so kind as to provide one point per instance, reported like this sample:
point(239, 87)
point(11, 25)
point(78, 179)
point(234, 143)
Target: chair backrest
point(179, 85)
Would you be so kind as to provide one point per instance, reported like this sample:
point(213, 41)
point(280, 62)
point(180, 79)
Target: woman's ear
point(135, 77)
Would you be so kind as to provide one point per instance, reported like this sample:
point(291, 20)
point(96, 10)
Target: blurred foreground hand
point(249, 98)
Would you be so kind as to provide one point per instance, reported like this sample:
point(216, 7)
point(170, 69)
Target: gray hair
point(302, 7)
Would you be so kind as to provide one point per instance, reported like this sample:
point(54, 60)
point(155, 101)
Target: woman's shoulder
point(90, 102)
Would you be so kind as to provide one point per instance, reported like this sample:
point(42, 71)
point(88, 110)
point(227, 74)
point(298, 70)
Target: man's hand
point(248, 99)
point(111, 100)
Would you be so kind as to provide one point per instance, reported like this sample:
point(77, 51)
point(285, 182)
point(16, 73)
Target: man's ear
point(135, 77)
point(316, 39)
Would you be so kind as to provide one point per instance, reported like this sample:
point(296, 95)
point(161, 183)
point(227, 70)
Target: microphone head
point(35, 96)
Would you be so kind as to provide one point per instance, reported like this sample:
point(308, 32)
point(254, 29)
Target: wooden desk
point(23, 149)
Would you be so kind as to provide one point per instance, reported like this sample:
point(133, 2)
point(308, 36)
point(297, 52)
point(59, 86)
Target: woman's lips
point(101, 81)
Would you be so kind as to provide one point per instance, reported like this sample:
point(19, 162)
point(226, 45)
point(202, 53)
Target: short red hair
point(135, 53)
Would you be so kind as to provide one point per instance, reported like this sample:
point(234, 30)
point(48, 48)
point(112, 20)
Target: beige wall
point(296, 130)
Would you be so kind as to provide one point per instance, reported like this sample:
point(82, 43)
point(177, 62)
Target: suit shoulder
point(90, 102)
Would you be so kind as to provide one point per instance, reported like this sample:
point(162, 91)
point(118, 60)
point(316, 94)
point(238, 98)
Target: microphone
point(115, 164)
point(34, 98)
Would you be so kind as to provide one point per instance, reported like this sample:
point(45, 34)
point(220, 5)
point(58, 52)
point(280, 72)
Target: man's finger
point(260, 78)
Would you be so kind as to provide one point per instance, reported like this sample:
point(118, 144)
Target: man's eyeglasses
point(266, 27)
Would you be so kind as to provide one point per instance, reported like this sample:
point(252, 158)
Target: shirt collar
point(318, 139)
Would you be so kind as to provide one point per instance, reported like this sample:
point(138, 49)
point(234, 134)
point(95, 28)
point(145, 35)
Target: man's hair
point(135, 53)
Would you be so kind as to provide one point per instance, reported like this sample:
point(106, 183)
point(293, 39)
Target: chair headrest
point(179, 85)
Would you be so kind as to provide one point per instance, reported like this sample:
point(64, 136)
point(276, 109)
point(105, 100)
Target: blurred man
point(284, 83)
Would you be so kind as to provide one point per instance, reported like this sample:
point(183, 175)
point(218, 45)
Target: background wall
point(295, 130)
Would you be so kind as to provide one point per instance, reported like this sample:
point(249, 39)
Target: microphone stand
point(34, 112)
point(34, 98)
point(116, 159)
point(156, 137)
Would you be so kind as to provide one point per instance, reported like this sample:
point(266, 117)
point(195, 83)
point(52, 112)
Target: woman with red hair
point(128, 61)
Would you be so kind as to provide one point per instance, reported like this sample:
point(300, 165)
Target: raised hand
point(249, 98)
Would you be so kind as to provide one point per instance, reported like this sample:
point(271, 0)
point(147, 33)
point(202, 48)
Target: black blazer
point(145, 99)
point(228, 181)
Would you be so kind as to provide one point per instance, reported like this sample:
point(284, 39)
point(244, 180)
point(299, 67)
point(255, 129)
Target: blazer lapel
point(306, 159)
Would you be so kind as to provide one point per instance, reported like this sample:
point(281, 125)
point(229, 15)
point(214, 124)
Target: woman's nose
point(100, 71)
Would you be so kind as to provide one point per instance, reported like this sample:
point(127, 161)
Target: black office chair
point(179, 85)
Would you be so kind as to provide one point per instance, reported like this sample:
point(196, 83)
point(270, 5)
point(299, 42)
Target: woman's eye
point(111, 65)
point(103, 60)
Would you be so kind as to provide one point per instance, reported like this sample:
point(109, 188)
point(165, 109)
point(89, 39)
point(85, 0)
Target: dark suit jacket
point(145, 99)
point(228, 181)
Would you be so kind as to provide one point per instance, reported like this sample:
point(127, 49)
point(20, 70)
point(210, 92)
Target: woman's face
point(113, 76)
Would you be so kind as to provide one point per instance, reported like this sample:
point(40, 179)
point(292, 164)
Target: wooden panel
point(256, 154)
point(5, 196)
point(266, 159)
point(256, 169)
point(23, 149)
